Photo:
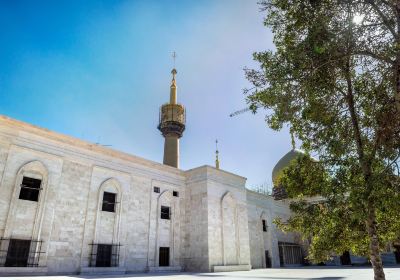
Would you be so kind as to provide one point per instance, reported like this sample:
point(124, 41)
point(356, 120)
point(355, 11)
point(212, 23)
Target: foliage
point(328, 210)
point(337, 84)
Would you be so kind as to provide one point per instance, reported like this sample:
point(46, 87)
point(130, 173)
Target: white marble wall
point(214, 221)
point(195, 225)
point(216, 232)
point(228, 234)
point(265, 207)
point(68, 216)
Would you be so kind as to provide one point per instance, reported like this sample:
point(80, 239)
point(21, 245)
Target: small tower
point(216, 155)
point(172, 125)
point(293, 141)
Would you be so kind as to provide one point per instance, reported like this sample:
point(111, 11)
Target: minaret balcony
point(172, 120)
point(172, 112)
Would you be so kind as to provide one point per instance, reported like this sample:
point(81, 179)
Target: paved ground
point(257, 274)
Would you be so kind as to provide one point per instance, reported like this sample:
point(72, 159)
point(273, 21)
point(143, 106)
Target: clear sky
point(99, 71)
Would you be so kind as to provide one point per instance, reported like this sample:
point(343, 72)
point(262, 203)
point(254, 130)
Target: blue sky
point(99, 70)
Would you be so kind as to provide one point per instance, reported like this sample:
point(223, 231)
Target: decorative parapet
point(172, 120)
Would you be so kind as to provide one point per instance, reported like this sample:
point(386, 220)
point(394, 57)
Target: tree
point(335, 79)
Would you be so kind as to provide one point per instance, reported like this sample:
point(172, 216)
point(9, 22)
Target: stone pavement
point(315, 273)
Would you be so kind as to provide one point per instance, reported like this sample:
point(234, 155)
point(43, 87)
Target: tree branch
point(386, 21)
point(388, 4)
point(374, 55)
point(394, 162)
point(397, 167)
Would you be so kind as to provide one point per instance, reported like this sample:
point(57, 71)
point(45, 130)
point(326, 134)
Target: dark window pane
point(267, 259)
point(345, 259)
point(18, 252)
point(156, 189)
point(165, 212)
point(264, 223)
point(30, 188)
point(397, 253)
point(103, 256)
point(174, 193)
point(109, 202)
point(164, 256)
point(290, 253)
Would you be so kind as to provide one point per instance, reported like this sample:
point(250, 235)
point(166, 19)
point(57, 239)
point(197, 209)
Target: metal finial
point(293, 141)
point(174, 72)
point(216, 154)
point(174, 57)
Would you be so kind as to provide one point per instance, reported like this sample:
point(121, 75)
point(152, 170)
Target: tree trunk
point(376, 260)
point(375, 256)
point(397, 63)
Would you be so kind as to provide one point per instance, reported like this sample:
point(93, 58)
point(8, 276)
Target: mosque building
point(72, 207)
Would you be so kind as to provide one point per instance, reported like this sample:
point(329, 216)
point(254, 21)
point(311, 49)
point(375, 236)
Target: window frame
point(164, 214)
point(156, 189)
point(264, 225)
point(111, 252)
point(104, 250)
point(164, 255)
point(175, 193)
point(105, 205)
point(29, 192)
point(18, 253)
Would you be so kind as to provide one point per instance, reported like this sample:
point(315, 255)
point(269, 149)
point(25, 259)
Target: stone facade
point(214, 223)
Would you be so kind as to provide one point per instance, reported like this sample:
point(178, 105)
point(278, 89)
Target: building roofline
point(259, 194)
point(216, 169)
point(73, 141)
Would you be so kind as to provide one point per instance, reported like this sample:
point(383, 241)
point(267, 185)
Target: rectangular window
point(267, 259)
point(30, 188)
point(108, 202)
point(104, 253)
point(156, 189)
point(18, 252)
point(165, 212)
point(264, 224)
point(175, 193)
point(164, 256)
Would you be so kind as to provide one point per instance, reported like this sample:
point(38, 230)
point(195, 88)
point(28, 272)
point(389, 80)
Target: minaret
point(172, 125)
point(293, 141)
point(216, 155)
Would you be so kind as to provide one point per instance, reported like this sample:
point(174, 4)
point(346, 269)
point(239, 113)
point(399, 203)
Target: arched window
point(109, 201)
point(264, 225)
point(24, 251)
point(105, 248)
point(30, 188)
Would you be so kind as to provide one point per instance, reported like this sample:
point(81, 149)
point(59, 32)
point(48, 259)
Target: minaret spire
point(174, 57)
point(293, 141)
point(173, 93)
point(172, 123)
point(216, 154)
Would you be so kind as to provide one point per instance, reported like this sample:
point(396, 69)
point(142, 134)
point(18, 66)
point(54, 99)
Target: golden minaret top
point(216, 155)
point(172, 123)
point(173, 97)
point(292, 138)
